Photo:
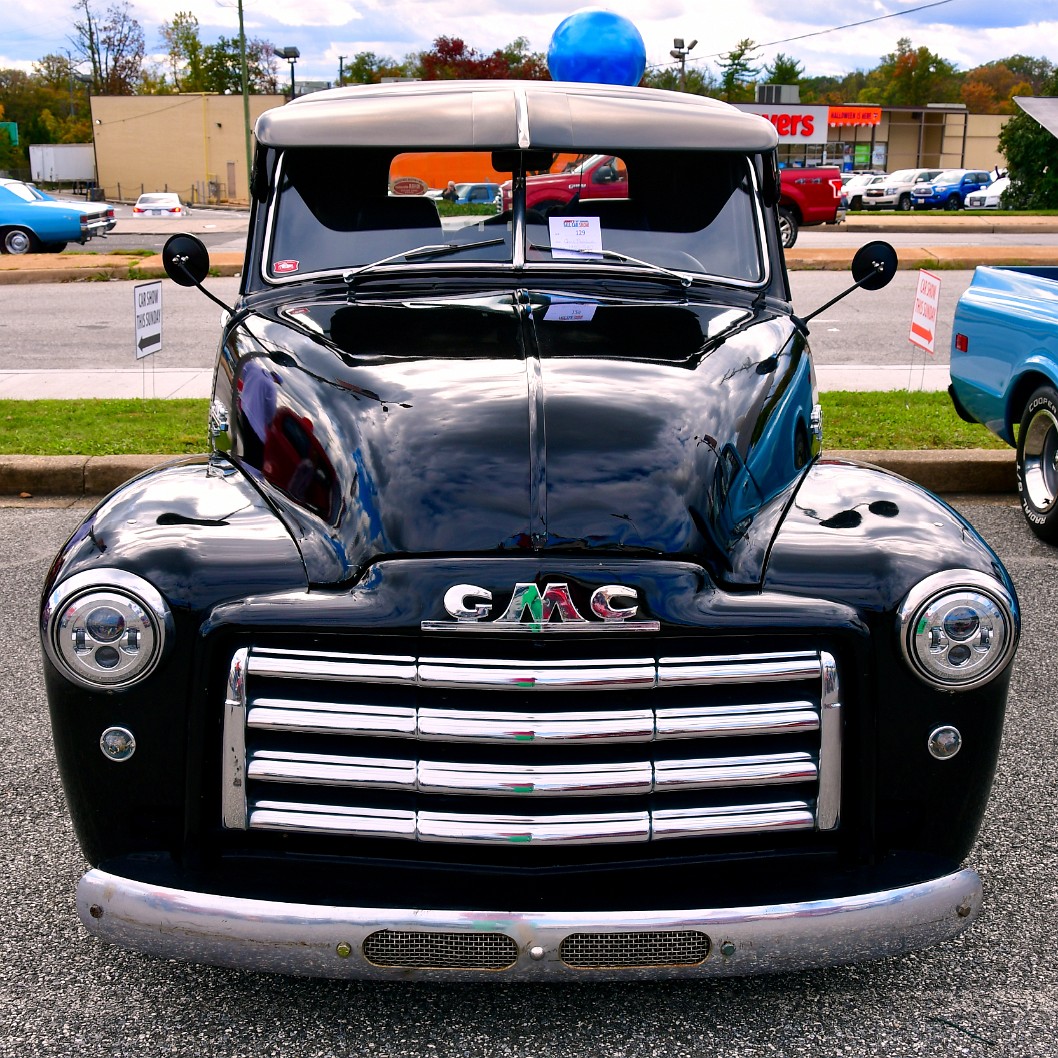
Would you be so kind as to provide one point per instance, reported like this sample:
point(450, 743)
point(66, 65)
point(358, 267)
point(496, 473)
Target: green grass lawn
point(897, 420)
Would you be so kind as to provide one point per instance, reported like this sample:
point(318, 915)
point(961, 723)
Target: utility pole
point(244, 78)
point(678, 51)
point(341, 71)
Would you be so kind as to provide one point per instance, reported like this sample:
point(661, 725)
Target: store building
point(936, 136)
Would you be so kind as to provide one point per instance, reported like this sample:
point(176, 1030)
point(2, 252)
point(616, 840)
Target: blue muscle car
point(33, 222)
point(1004, 374)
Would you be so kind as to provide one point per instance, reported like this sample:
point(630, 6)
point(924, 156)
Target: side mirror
point(186, 260)
point(873, 267)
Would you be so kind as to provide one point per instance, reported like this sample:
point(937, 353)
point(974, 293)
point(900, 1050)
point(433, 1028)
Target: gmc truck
point(514, 626)
point(808, 197)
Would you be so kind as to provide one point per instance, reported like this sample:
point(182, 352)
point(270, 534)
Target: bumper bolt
point(536, 953)
point(964, 909)
point(727, 949)
point(95, 911)
point(344, 950)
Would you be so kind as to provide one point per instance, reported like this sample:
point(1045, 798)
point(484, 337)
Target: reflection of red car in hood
point(295, 462)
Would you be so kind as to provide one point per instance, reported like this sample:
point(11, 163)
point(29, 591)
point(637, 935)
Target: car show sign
point(924, 315)
point(147, 316)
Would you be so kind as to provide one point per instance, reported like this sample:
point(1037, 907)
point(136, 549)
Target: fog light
point(106, 629)
point(945, 742)
point(117, 743)
point(958, 628)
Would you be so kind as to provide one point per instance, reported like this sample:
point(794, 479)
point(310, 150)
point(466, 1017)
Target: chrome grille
point(439, 749)
point(596, 951)
point(440, 951)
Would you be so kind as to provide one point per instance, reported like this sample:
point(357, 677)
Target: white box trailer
point(62, 163)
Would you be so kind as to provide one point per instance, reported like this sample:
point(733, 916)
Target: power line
point(821, 32)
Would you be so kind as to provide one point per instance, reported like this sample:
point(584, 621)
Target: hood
point(528, 424)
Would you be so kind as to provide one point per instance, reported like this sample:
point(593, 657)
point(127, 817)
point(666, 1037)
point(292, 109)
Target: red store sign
point(793, 122)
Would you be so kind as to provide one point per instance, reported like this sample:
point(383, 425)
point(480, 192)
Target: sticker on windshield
point(570, 311)
point(575, 237)
point(286, 266)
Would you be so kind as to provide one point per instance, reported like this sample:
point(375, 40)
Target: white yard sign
point(924, 316)
point(147, 314)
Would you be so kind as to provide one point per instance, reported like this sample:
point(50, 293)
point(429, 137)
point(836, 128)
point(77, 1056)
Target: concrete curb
point(969, 471)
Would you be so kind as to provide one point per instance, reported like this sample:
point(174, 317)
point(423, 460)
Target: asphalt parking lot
point(994, 991)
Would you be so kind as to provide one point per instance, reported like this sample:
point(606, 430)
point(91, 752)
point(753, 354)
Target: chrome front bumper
point(326, 941)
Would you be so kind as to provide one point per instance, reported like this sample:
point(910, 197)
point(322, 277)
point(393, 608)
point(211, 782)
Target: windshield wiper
point(441, 249)
point(613, 255)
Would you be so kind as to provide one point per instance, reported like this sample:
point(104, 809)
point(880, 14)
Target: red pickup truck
point(809, 196)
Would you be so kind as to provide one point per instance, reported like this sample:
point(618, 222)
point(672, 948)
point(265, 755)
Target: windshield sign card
point(575, 237)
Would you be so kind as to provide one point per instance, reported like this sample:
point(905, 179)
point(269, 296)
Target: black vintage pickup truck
point(514, 627)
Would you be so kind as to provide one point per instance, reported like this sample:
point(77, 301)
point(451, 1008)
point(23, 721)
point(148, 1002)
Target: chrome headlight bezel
point(958, 629)
point(130, 634)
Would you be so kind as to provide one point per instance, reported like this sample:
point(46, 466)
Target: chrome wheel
point(1038, 463)
point(18, 240)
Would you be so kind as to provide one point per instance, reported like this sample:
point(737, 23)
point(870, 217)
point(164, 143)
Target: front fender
point(864, 536)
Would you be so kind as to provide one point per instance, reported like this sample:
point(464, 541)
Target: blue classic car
point(1004, 374)
point(33, 222)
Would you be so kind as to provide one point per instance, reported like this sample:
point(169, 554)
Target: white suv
point(895, 191)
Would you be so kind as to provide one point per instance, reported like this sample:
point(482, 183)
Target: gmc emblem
point(539, 611)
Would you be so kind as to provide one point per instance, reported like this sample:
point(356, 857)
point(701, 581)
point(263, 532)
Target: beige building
point(192, 144)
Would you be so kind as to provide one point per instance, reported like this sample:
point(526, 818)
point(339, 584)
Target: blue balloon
point(598, 46)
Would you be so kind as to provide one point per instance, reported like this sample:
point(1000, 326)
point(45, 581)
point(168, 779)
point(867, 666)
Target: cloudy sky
point(822, 35)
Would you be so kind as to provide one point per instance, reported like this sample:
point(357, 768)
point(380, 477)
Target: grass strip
point(889, 420)
point(102, 427)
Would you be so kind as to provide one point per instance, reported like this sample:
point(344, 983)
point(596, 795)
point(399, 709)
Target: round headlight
point(958, 628)
point(105, 629)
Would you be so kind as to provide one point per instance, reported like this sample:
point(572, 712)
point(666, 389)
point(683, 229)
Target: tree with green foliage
point(833, 91)
point(784, 69)
point(911, 77)
point(1032, 160)
point(698, 81)
point(368, 68)
point(737, 72)
point(183, 47)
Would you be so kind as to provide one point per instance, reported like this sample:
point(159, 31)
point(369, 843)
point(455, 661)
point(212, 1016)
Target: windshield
point(336, 211)
point(949, 176)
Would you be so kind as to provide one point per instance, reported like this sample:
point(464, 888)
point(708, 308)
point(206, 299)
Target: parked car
point(948, 189)
point(895, 191)
point(32, 221)
point(513, 628)
point(160, 204)
point(854, 188)
point(989, 197)
point(1004, 375)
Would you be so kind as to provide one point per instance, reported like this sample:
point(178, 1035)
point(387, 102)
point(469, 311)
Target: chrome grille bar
point(597, 828)
point(469, 725)
point(566, 780)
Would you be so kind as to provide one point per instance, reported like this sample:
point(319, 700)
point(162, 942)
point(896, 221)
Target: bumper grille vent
point(597, 951)
point(440, 951)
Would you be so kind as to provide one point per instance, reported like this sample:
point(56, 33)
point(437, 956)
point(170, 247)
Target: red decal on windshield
point(286, 266)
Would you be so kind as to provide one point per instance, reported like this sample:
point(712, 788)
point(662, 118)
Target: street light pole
point(678, 51)
point(341, 70)
point(291, 55)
